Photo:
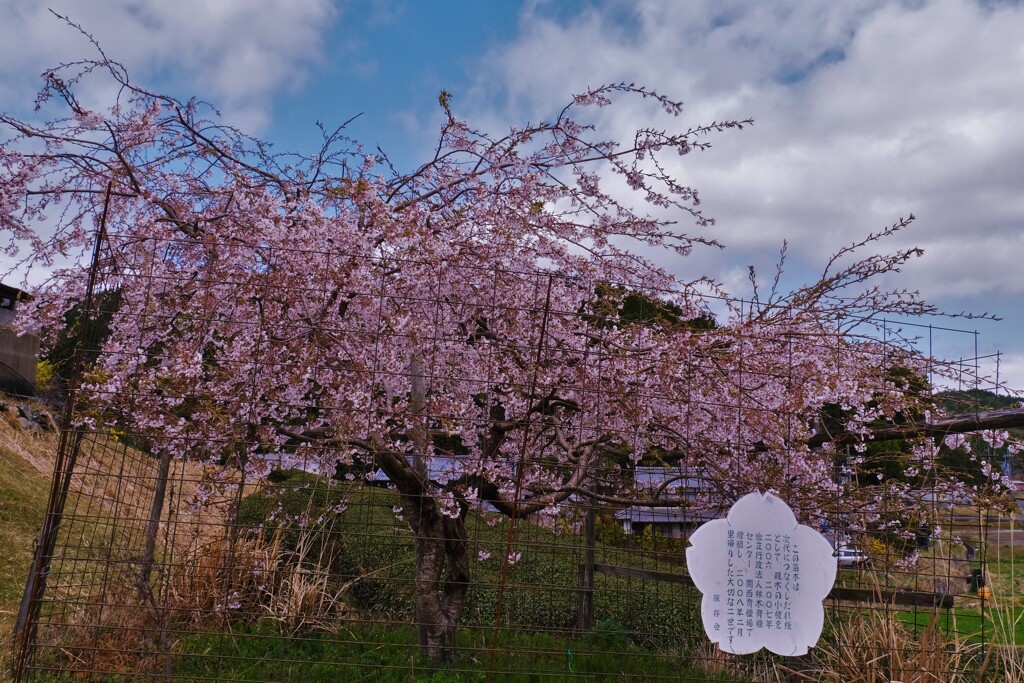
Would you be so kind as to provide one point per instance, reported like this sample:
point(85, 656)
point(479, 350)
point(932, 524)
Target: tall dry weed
point(109, 631)
point(255, 577)
point(305, 596)
point(1004, 662)
point(874, 646)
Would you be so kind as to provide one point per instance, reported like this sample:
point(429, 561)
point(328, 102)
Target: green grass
point(23, 494)
point(389, 654)
point(1003, 625)
point(1005, 568)
point(24, 491)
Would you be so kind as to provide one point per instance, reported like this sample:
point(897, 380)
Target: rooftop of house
point(666, 515)
point(670, 478)
point(441, 469)
point(8, 292)
point(9, 298)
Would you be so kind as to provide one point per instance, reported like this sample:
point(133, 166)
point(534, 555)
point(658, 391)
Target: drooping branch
point(524, 508)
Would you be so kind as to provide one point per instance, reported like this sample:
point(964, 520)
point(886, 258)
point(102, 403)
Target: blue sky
point(865, 110)
point(388, 62)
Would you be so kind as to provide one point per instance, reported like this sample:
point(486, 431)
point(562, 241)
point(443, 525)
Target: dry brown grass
point(121, 480)
point(870, 646)
point(255, 578)
point(1004, 663)
point(35, 448)
point(873, 646)
point(99, 616)
point(94, 610)
point(108, 629)
point(213, 582)
point(26, 464)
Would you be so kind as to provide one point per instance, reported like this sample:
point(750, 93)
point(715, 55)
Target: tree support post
point(587, 571)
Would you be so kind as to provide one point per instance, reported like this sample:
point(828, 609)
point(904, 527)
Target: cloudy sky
point(865, 110)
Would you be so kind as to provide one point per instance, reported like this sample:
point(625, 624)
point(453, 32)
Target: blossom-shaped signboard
point(763, 576)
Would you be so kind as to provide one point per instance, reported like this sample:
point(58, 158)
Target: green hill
point(26, 460)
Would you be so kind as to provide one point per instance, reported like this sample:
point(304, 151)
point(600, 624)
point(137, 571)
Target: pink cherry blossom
point(319, 308)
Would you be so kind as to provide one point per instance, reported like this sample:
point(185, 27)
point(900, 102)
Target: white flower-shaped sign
point(764, 577)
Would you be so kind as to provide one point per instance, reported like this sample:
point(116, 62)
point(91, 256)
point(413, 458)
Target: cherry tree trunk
point(441, 580)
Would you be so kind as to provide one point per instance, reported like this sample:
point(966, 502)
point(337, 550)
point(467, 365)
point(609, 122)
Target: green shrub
point(374, 555)
point(654, 614)
point(365, 549)
point(542, 593)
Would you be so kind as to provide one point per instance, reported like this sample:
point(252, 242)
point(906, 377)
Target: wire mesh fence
point(243, 535)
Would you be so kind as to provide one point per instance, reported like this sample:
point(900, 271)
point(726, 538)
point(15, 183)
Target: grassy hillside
point(25, 462)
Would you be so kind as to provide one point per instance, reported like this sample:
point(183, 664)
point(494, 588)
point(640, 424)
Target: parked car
point(849, 557)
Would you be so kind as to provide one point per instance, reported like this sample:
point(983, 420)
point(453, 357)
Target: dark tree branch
point(1004, 418)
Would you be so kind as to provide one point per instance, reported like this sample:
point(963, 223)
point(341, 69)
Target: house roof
point(8, 292)
point(666, 515)
point(441, 469)
point(672, 478)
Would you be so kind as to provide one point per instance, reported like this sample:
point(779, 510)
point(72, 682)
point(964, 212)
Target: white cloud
point(239, 54)
point(1011, 373)
point(865, 112)
point(1001, 373)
